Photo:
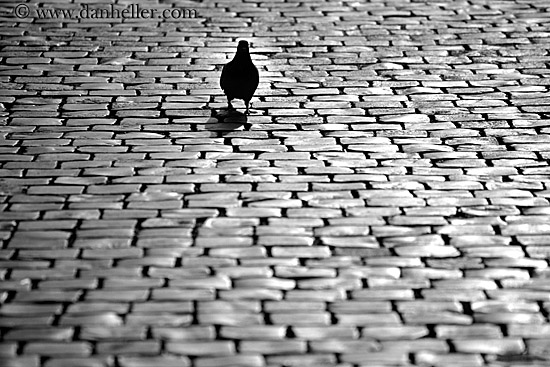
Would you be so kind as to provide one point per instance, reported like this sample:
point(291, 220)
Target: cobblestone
point(386, 202)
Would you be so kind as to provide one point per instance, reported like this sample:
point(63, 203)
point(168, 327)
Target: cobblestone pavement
point(386, 203)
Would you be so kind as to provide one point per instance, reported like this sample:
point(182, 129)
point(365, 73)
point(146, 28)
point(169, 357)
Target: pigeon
point(240, 77)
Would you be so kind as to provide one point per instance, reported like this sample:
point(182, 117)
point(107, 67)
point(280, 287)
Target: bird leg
point(247, 112)
point(229, 105)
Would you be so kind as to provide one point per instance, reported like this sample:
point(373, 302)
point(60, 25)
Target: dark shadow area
point(225, 120)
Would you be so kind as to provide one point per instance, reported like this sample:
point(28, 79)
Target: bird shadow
point(225, 120)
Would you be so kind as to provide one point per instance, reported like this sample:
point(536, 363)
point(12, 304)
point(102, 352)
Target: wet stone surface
point(386, 202)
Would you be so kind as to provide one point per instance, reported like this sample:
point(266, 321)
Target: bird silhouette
point(240, 77)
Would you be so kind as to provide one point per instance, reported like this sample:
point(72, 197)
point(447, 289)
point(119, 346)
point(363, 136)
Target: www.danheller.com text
point(132, 11)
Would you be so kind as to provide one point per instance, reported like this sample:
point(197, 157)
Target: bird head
point(243, 45)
